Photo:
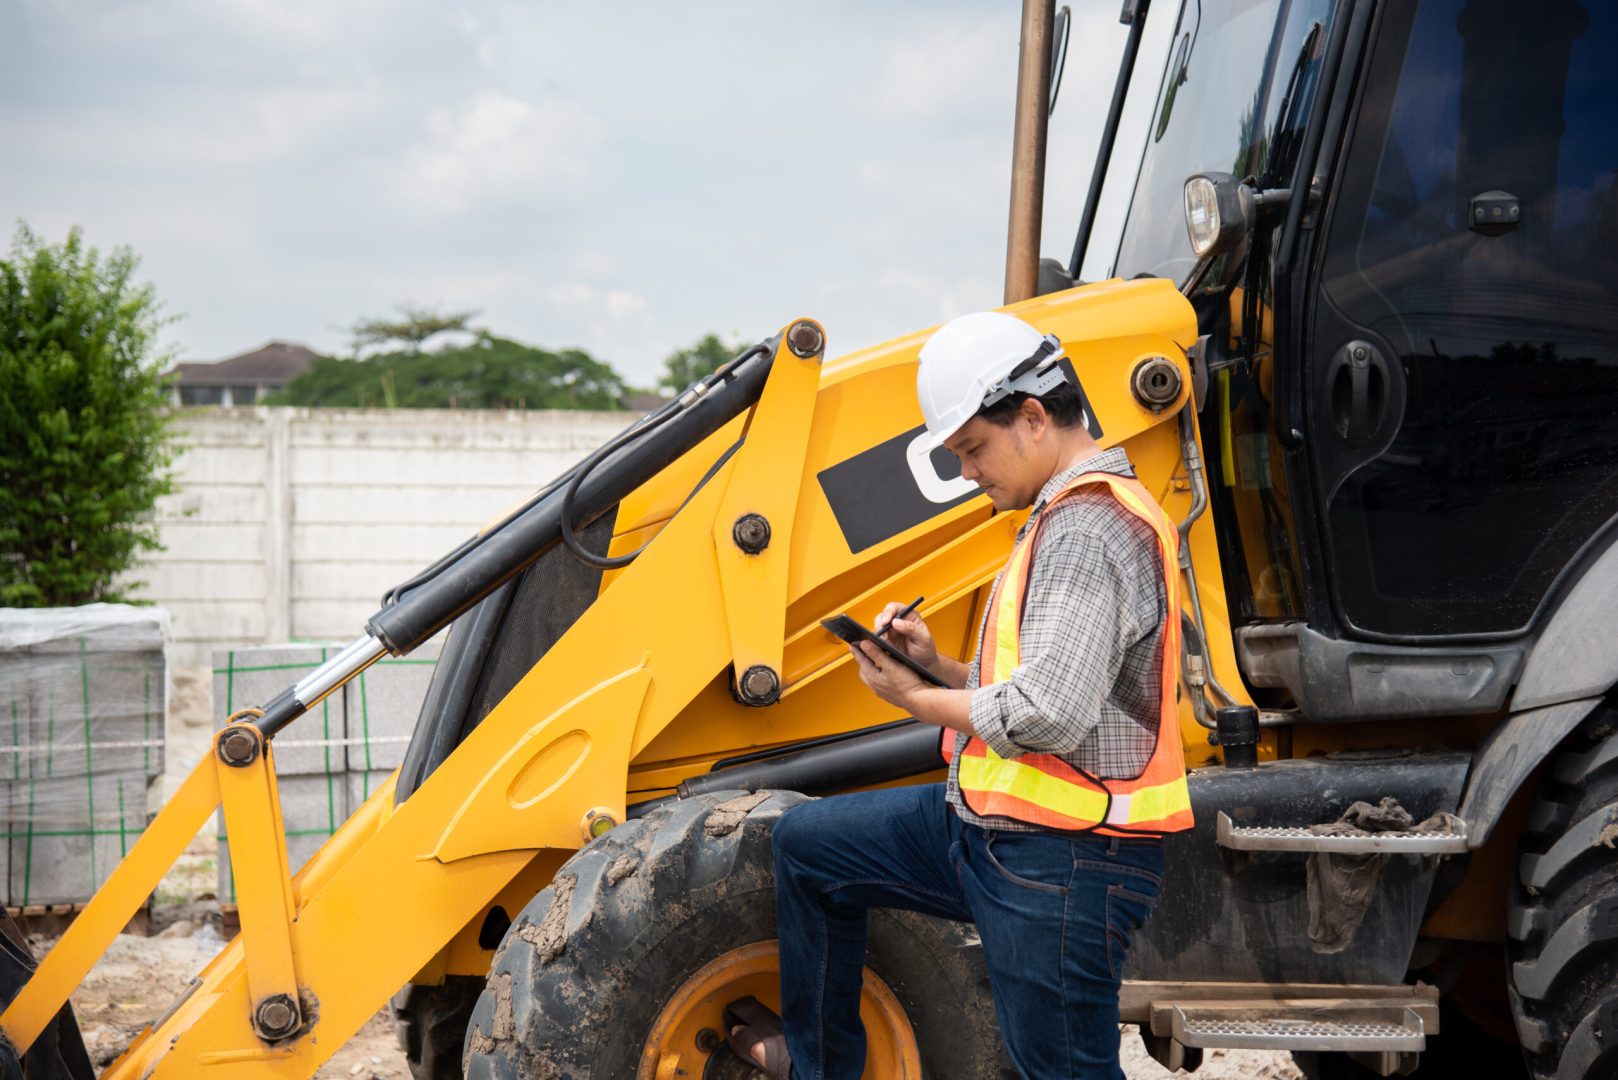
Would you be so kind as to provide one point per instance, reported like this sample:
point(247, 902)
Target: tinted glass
point(1238, 90)
point(1505, 462)
point(1228, 72)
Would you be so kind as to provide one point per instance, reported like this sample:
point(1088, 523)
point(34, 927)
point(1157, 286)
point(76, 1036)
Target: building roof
point(276, 364)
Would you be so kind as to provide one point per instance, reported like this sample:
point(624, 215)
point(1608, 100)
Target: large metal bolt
point(760, 686)
point(805, 339)
point(238, 747)
point(1156, 382)
point(276, 1017)
point(751, 533)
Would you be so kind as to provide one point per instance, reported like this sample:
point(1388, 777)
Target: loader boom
point(660, 661)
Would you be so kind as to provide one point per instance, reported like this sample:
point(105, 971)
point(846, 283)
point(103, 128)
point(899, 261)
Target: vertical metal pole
point(1028, 150)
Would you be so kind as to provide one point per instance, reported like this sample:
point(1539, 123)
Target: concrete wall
point(291, 523)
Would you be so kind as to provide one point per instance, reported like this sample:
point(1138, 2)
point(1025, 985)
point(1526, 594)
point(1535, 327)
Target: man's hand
point(888, 679)
point(902, 688)
point(909, 635)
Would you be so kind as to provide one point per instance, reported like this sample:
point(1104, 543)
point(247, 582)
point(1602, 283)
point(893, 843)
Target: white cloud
point(625, 187)
point(941, 297)
point(948, 68)
point(224, 130)
point(498, 147)
point(579, 297)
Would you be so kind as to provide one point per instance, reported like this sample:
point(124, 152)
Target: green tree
point(84, 448)
point(490, 373)
point(412, 328)
point(682, 367)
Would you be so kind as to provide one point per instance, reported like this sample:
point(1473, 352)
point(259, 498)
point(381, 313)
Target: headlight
point(1202, 214)
point(1218, 212)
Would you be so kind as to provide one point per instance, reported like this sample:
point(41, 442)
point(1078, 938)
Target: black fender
point(1506, 757)
point(1570, 667)
point(1576, 654)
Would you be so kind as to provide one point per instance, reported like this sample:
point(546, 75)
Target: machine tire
point(588, 967)
point(58, 1053)
point(1563, 915)
point(431, 1023)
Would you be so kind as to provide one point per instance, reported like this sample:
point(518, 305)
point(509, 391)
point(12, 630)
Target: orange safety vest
point(1042, 789)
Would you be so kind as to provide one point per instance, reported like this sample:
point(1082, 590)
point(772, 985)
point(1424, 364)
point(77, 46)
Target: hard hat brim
point(932, 440)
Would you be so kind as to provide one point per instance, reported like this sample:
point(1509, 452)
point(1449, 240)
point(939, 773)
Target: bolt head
point(1156, 382)
point(238, 747)
point(805, 339)
point(277, 1017)
point(760, 686)
point(751, 533)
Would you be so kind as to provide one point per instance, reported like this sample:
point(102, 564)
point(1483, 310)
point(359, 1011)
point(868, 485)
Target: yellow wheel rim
point(691, 1027)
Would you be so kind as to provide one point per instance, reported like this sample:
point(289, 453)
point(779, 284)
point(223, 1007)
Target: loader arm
point(658, 663)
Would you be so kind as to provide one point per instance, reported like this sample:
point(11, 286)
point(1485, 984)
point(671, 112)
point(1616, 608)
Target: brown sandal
point(755, 1025)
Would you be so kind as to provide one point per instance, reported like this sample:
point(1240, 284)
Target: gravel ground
point(136, 980)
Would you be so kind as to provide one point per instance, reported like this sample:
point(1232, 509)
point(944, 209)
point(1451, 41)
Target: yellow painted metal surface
point(115, 903)
point(765, 482)
point(636, 695)
point(252, 807)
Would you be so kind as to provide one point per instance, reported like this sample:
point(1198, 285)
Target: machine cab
point(1413, 376)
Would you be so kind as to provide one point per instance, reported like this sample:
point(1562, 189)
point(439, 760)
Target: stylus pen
point(905, 614)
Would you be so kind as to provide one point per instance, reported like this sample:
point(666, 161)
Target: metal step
point(1298, 838)
point(1298, 1026)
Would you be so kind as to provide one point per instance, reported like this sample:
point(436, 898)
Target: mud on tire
point(1563, 915)
point(586, 968)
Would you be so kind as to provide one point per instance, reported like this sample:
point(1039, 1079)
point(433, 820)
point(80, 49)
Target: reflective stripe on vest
point(1042, 789)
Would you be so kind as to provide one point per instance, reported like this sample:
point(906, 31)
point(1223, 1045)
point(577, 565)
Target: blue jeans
point(1055, 914)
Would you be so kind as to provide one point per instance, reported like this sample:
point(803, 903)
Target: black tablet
point(853, 632)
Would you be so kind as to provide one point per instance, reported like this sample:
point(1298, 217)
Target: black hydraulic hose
point(635, 430)
point(570, 539)
point(518, 542)
point(875, 756)
point(1109, 135)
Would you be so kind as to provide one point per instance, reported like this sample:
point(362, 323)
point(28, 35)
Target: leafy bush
point(84, 450)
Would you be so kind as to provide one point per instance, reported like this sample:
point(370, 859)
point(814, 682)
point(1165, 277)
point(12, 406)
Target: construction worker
point(1065, 766)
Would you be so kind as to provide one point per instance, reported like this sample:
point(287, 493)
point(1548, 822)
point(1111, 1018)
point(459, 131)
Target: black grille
point(495, 644)
point(550, 597)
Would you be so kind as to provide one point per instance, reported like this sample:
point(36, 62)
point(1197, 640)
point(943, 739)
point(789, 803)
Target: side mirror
point(1219, 212)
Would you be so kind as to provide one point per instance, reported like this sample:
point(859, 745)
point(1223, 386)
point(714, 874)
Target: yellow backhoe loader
point(1360, 338)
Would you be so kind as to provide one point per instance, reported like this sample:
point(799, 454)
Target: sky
point(623, 178)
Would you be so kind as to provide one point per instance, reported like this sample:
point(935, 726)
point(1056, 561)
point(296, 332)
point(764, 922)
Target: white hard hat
point(976, 360)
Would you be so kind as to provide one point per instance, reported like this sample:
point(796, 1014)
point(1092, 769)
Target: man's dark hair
point(1061, 404)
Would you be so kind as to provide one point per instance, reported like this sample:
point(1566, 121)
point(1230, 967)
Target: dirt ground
point(137, 979)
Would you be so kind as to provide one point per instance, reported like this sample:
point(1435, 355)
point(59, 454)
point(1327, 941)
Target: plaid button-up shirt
point(1089, 685)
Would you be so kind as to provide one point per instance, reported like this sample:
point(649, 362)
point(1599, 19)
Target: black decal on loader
point(885, 490)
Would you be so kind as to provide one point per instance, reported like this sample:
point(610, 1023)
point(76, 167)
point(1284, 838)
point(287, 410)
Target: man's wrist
point(940, 705)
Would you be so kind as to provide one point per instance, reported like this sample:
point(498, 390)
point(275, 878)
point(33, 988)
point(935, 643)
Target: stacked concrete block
point(83, 692)
point(382, 706)
point(330, 760)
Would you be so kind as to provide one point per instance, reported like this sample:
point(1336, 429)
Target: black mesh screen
point(550, 597)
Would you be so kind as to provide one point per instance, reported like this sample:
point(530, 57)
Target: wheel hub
point(681, 1042)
